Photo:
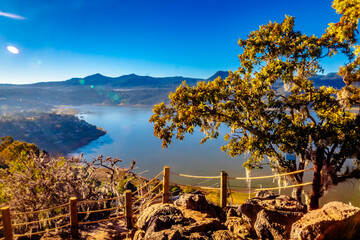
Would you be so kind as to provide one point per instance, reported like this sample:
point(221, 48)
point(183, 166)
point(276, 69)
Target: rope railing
point(245, 190)
point(39, 211)
point(147, 203)
point(102, 210)
point(193, 176)
point(152, 180)
point(223, 186)
point(41, 232)
point(283, 187)
point(73, 213)
point(270, 176)
point(41, 220)
point(101, 200)
point(209, 188)
point(148, 193)
point(102, 220)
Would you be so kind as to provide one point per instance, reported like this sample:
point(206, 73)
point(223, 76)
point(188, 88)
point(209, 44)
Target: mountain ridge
point(128, 89)
point(134, 80)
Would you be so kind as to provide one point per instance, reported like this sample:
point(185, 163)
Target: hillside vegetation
point(56, 133)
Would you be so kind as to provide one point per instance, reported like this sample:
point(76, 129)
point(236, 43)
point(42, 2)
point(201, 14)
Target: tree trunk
point(316, 186)
point(296, 193)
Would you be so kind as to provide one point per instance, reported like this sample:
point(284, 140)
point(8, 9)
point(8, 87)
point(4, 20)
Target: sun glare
point(12, 49)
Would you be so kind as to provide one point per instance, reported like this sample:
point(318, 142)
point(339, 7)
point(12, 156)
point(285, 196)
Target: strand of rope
point(147, 193)
point(42, 220)
point(101, 200)
point(2, 238)
point(209, 188)
point(215, 184)
point(246, 190)
point(147, 204)
point(271, 176)
point(204, 181)
point(102, 220)
point(243, 186)
point(41, 232)
point(193, 176)
point(101, 210)
point(39, 211)
point(155, 178)
point(292, 186)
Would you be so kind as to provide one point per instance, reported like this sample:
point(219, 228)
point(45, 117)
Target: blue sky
point(61, 39)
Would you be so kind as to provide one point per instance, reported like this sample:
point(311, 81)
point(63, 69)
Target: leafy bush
point(42, 182)
point(174, 188)
point(189, 189)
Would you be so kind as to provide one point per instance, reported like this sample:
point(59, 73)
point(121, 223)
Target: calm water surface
point(130, 136)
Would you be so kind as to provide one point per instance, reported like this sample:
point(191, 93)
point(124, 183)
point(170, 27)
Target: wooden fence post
point(166, 185)
point(74, 218)
point(128, 208)
point(223, 189)
point(6, 218)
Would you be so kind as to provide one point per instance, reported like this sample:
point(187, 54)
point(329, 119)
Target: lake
point(130, 136)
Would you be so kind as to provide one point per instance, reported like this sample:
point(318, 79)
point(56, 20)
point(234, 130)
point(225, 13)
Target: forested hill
point(129, 89)
point(55, 133)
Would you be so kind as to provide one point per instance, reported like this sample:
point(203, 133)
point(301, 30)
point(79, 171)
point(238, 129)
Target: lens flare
point(12, 49)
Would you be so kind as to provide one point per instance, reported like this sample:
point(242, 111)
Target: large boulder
point(192, 201)
point(240, 227)
point(277, 203)
point(316, 222)
point(198, 202)
point(271, 215)
point(348, 229)
point(208, 225)
point(266, 194)
point(171, 222)
point(271, 224)
point(159, 217)
point(197, 230)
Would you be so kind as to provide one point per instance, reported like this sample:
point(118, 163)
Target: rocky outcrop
point(316, 222)
point(271, 224)
point(346, 229)
point(159, 217)
point(169, 222)
point(193, 201)
point(198, 202)
point(266, 194)
point(279, 203)
point(240, 228)
point(223, 234)
point(272, 215)
point(267, 216)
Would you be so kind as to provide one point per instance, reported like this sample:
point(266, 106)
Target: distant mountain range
point(98, 89)
point(136, 81)
point(125, 81)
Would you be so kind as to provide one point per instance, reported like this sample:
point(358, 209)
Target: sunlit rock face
point(272, 215)
point(346, 229)
point(316, 222)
